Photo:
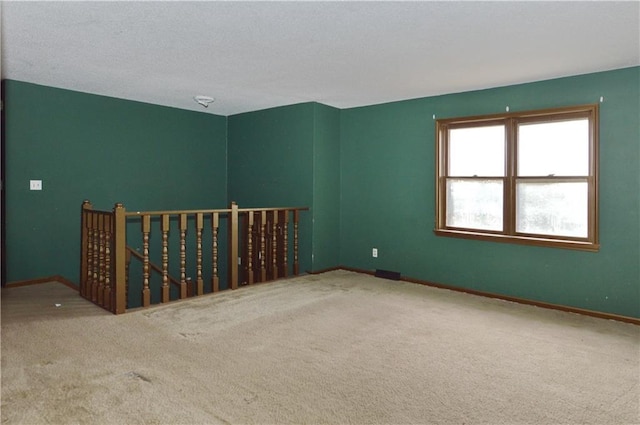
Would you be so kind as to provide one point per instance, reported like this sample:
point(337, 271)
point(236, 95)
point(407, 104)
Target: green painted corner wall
point(388, 199)
point(107, 150)
point(290, 156)
point(326, 187)
point(270, 164)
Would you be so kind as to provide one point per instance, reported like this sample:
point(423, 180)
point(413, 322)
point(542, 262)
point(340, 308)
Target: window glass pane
point(476, 151)
point(474, 204)
point(558, 209)
point(554, 148)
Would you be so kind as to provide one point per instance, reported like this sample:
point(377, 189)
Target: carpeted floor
point(336, 348)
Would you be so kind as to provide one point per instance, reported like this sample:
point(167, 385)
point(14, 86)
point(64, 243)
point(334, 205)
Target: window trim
point(510, 178)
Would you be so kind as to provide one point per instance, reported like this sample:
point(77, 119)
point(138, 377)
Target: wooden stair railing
point(257, 250)
point(266, 243)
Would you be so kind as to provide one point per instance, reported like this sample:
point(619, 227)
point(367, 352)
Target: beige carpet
point(336, 348)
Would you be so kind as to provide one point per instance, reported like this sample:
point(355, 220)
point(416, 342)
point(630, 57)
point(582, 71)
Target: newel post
point(120, 245)
point(233, 246)
point(84, 243)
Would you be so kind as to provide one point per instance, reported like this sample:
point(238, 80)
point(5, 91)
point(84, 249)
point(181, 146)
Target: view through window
point(521, 177)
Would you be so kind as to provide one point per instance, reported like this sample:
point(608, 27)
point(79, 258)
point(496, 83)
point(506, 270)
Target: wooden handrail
point(274, 209)
point(220, 211)
point(175, 212)
point(152, 265)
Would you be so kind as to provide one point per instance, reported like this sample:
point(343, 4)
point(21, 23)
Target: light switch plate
point(35, 185)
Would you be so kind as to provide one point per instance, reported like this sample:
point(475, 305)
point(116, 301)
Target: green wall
point(289, 157)
point(387, 190)
point(104, 149)
point(366, 173)
point(326, 188)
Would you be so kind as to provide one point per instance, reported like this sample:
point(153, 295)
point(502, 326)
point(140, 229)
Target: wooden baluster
point(296, 266)
point(183, 256)
point(165, 258)
point(250, 248)
point(215, 280)
point(146, 292)
point(199, 280)
point(285, 242)
point(108, 230)
point(233, 247)
point(101, 262)
point(126, 278)
point(263, 246)
point(89, 276)
point(274, 244)
point(95, 257)
point(122, 258)
point(84, 247)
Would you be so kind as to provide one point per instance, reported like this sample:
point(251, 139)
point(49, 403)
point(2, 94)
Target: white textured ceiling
point(254, 55)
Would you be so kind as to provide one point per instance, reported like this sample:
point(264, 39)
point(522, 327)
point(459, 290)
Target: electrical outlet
point(35, 184)
point(374, 252)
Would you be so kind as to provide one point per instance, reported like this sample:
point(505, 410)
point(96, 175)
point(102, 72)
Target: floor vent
point(386, 274)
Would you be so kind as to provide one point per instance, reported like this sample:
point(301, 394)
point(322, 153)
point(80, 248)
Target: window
point(528, 177)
